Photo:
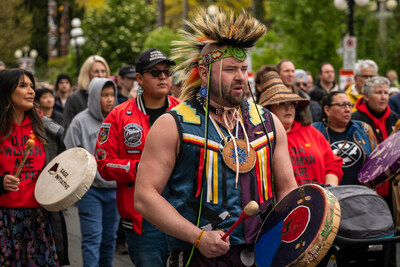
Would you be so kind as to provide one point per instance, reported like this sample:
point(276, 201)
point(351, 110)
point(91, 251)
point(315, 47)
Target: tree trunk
point(160, 12)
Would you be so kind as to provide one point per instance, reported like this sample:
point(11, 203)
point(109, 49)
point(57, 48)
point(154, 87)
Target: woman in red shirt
point(26, 237)
point(311, 155)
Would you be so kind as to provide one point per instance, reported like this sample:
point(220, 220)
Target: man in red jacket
point(119, 147)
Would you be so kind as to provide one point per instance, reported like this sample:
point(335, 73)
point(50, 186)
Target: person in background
point(176, 84)
point(310, 83)
point(2, 65)
point(94, 66)
point(98, 213)
point(394, 103)
point(127, 77)
point(312, 158)
point(373, 109)
point(393, 78)
point(301, 81)
point(63, 89)
point(393, 91)
point(119, 152)
point(325, 83)
point(363, 70)
point(25, 233)
point(352, 140)
point(261, 71)
point(300, 85)
point(45, 100)
point(286, 72)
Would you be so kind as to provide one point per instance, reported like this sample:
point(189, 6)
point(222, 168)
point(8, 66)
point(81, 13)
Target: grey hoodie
point(84, 128)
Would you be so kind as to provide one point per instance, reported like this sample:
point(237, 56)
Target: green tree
point(174, 9)
point(161, 39)
point(39, 40)
point(117, 31)
point(267, 51)
point(392, 60)
point(15, 30)
point(308, 30)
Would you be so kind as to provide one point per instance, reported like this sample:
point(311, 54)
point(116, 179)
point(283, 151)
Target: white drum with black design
point(65, 179)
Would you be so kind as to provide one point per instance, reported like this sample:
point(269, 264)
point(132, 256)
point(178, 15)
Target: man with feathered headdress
point(212, 154)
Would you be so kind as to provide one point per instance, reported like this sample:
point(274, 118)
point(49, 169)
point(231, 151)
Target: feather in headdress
point(223, 29)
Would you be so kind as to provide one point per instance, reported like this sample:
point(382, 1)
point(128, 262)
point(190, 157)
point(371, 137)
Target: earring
point(203, 91)
point(139, 91)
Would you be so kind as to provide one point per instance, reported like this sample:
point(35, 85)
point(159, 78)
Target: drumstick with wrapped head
point(29, 145)
point(249, 210)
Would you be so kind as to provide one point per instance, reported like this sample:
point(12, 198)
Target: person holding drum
point(119, 148)
point(373, 109)
point(312, 158)
point(352, 140)
point(208, 157)
point(25, 232)
point(98, 212)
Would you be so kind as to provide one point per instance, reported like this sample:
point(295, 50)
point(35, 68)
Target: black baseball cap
point(127, 71)
point(149, 58)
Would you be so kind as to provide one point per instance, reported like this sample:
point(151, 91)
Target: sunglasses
point(343, 104)
point(156, 73)
point(298, 84)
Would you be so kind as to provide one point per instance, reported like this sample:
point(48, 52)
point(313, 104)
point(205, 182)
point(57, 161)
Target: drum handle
point(29, 145)
point(248, 211)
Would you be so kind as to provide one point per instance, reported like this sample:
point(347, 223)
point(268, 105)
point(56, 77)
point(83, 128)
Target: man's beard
point(227, 98)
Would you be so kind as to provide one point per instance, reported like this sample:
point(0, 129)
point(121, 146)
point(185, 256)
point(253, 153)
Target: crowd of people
point(183, 142)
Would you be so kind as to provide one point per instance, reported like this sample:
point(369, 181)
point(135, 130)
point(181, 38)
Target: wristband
point(197, 244)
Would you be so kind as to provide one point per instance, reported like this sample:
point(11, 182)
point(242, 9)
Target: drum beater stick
point(29, 145)
point(248, 211)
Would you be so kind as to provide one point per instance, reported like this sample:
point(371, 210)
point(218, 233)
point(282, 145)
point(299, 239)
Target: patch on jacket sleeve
point(103, 133)
point(133, 134)
point(100, 154)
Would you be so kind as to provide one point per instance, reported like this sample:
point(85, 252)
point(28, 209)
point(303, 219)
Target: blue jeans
point(149, 248)
point(99, 220)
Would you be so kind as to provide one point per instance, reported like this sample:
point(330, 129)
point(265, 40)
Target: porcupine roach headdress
point(223, 29)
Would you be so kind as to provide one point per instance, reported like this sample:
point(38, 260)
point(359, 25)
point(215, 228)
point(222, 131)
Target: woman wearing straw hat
point(311, 155)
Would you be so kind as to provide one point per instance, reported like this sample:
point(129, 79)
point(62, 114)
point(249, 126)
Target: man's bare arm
point(281, 165)
point(155, 168)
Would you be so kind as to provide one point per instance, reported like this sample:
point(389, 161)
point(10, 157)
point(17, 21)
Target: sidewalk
point(74, 242)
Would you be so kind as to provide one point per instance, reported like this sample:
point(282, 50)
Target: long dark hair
point(9, 79)
point(327, 101)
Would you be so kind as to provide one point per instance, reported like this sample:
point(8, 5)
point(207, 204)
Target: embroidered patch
point(100, 154)
point(103, 133)
point(133, 135)
point(129, 112)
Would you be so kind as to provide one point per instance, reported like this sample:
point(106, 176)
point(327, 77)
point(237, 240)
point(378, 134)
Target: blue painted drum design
point(300, 229)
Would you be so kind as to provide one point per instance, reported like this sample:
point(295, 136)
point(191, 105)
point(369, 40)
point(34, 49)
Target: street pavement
point(74, 242)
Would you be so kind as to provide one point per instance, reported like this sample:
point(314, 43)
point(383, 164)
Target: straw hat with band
point(275, 92)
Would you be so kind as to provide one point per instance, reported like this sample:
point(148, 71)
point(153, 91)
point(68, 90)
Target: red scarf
point(379, 123)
